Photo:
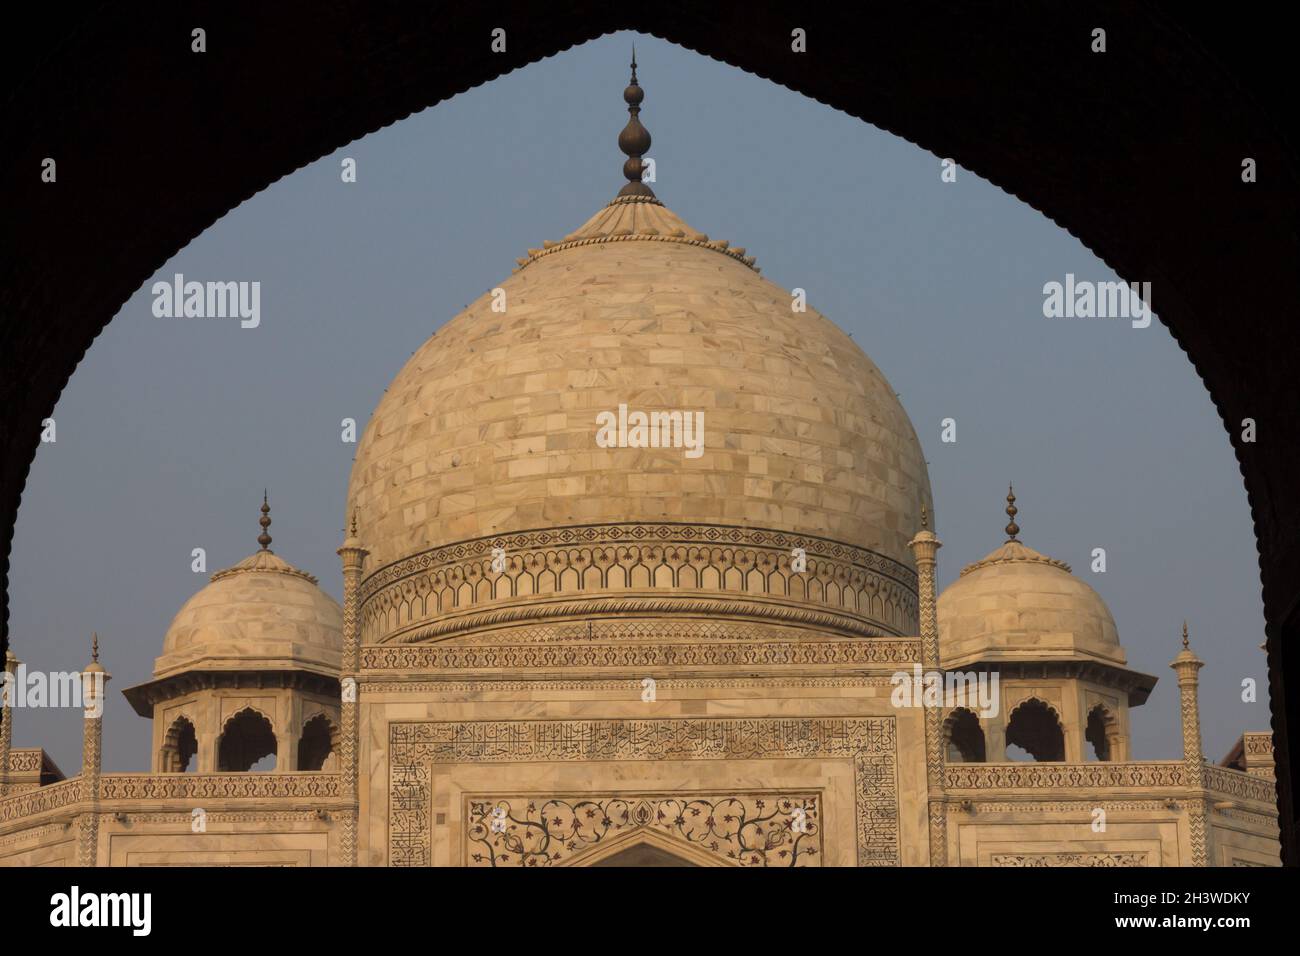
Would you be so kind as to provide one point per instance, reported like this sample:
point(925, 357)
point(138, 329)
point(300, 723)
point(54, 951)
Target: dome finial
point(1185, 647)
point(1013, 529)
point(634, 141)
point(925, 519)
point(264, 539)
point(94, 647)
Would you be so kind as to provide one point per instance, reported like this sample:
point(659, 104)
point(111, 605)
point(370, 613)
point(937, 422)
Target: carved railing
point(173, 786)
point(40, 800)
point(1258, 743)
point(1065, 776)
point(25, 760)
point(1157, 774)
point(217, 786)
point(1225, 782)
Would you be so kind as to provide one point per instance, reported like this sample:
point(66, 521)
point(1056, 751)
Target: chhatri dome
point(249, 672)
point(262, 612)
point(1016, 604)
point(488, 431)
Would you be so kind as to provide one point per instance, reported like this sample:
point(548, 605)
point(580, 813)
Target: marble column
point(926, 546)
point(353, 556)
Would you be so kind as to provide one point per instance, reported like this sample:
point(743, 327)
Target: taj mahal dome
point(561, 646)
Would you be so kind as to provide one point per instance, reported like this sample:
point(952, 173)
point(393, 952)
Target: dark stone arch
point(963, 737)
point(319, 741)
point(1102, 732)
point(246, 738)
point(1136, 152)
point(180, 746)
point(1036, 728)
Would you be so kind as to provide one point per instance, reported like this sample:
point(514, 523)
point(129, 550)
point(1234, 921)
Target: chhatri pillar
point(926, 547)
point(353, 556)
point(1186, 665)
point(93, 679)
point(6, 721)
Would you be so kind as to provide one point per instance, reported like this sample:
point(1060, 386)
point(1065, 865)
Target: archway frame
point(1010, 93)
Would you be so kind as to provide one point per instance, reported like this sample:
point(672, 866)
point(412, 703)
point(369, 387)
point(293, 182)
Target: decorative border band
point(1065, 776)
point(870, 742)
point(1244, 786)
point(637, 568)
point(430, 657)
point(217, 786)
point(29, 803)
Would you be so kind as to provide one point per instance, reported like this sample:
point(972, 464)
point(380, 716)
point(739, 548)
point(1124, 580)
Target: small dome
point(261, 614)
point(1019, 605)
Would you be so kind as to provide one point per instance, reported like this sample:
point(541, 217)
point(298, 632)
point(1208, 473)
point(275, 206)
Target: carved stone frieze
point(510, 656)
point(1258, 744)
point(1065, 806)
point(1047, 776)
point(225, 786)
point(660, 569)
point(397, 683)
point(27, 760)
point(1244, 786)
point(41, 800)
point(1139, 858)
point(214, 818)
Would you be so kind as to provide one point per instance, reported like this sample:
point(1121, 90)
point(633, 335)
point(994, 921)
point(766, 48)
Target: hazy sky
point(170, 428)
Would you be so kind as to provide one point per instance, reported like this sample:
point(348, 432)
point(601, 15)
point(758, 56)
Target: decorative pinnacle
point(1185, 647)
point(634, 141)
point(94, 647)
point(1013, 529)
point(925, 519)
point(354, 524)
point(264, 539)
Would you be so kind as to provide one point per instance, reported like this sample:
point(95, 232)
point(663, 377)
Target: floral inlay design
point(745, 829)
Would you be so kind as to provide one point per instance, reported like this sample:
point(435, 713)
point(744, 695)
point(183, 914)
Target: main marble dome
point(488, 432)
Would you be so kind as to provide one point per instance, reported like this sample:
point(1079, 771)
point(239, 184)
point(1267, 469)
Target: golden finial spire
point(1185, 647)
point(94, 646)
point(634, 141)
point(264, 539)
point(925, 519)
point(354, 524)
point(1013, 529)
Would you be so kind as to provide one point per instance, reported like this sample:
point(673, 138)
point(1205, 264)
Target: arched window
point(1103, 733)
point(964, 737)
point(317, 746)
point(1035, 730)
point(179, 747)
point(246, 742)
